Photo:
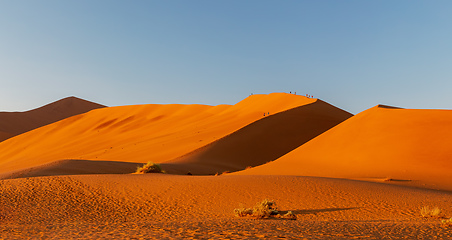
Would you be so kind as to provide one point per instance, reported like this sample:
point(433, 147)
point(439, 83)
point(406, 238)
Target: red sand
point(162, 206)
point(405, 147)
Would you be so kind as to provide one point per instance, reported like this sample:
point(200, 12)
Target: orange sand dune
point(15, 123)
point(403, 146)
point(162, 206)
point(262, 141)
point(138, 133)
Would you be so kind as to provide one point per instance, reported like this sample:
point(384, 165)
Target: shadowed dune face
point(5, 135)
point(75, 167)
point(379, 143)
point(142, 133)
point(15, 123)
point(262, 141)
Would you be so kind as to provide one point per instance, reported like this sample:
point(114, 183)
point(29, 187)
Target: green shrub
point(149, 167)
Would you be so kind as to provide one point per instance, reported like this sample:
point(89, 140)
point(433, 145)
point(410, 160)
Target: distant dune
point(153, 132)
point(15, 123)
point(404, 146)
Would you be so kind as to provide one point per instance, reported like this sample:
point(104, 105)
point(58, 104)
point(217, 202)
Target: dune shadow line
point(322, 210)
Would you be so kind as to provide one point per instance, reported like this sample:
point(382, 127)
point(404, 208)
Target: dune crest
point(15, 123)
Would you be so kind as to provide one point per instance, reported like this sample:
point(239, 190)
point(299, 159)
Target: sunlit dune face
point(380, 143)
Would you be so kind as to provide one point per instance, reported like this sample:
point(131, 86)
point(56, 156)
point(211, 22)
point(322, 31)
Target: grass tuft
point(149, 167)
point(447, 222)
point(289, 215)
point(427, 212)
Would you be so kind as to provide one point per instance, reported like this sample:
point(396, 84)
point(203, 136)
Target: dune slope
point(404, 146)
point(138, 133)
point(262, 141)
point(15, 123)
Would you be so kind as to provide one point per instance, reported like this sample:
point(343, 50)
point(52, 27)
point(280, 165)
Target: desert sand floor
point(162, 206)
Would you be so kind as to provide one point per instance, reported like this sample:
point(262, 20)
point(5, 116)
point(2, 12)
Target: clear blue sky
point(352, 54)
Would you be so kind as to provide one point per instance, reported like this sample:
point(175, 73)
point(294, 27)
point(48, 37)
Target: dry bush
point(264, 209)
point(243, 212)
point(149, 167)
point(447, 222)
point(427, 212)
point(289, 215)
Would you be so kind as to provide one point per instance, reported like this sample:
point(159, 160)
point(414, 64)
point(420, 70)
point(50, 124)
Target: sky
point(353, 54)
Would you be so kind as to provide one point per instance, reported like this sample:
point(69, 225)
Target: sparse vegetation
point(427, 212)
point(264, 209)
point(289, 215)
point(149, 167)
point(447, 222)
point(243, 212)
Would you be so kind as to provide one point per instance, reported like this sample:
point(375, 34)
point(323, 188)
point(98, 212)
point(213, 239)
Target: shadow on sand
point(322, 210)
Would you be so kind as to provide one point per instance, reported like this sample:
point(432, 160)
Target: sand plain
point(345, 177)
point(161, 206)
